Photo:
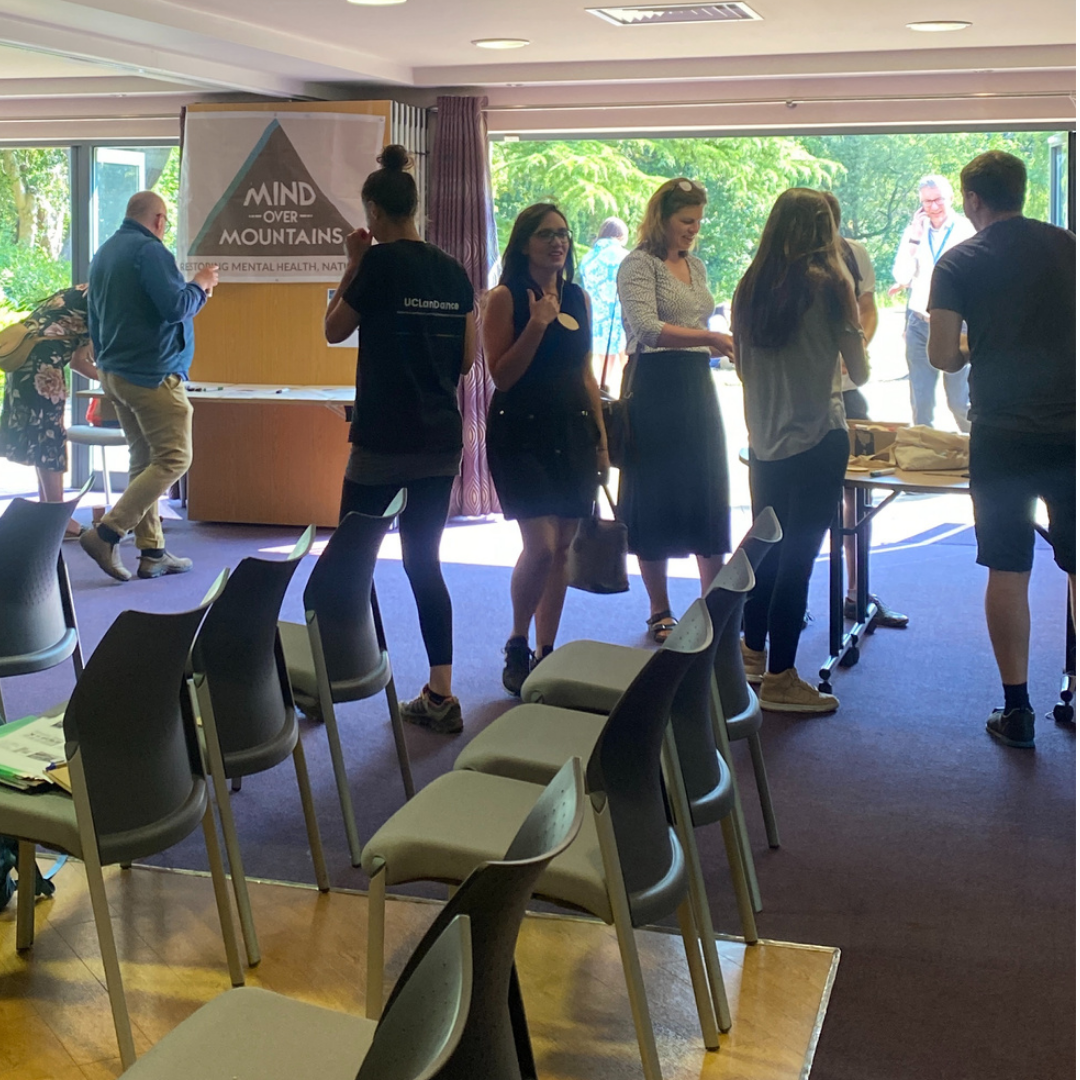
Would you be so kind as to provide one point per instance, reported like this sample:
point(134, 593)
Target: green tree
point(35, 225)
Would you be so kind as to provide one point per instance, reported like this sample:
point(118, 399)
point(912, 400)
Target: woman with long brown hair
point(545, 437)
point(795, 315)
point(673, 493)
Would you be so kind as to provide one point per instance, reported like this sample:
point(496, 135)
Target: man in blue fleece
point(140, 315)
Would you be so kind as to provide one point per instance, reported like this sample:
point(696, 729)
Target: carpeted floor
point(939, 862)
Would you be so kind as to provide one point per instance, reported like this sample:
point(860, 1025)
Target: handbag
point(16, 343)
point(596, 561)
point(616, 413)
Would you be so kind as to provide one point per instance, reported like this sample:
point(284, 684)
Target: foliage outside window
point(875, 177)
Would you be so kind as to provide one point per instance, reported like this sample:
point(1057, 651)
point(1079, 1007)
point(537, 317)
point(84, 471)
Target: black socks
point(1016, 697)
point(110, 536)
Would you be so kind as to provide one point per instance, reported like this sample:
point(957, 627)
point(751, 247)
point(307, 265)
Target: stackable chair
point(256, 1033)
point(339, 654)
point(626, 867)
point(495, 1044)
point(528, 743)
point(101, 437)
point(590, 676)
point(37, 615)
point(243, 698)
point(136, 776)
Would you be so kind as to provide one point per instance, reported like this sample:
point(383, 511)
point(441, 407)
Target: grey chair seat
point(589, 675)
point(449, 833)
point(253, 1034)
point(90, 435)
point(258, 759)
point(301, 665)
point(40, 659)
point(532, 742)
point(49, 817)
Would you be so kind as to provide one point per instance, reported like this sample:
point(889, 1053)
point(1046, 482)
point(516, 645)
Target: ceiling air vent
point(655, 14)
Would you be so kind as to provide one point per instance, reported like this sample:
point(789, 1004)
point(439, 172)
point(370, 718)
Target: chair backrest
point(339, 594)
point(494, 897)
point(31, 609)
point(239, 654)
point(421, 1029)
point(625, 765)
point(703, 771)
point(760, 539)
point(138, 746)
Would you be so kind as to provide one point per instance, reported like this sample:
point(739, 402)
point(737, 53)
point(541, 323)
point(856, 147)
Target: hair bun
point(395, 158)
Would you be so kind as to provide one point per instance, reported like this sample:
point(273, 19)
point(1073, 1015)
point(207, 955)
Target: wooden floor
point(55, 1021)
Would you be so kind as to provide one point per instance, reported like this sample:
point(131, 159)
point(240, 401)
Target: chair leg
point(221, 897)
point(341, 777)
point(738, 881)
point(724, 746)
point(764, 792)
point(399, 739)
point(237, 783)
point(105, 478)
point(3, 715)
point(373, 996)
point(236, 868)
point(624, 931)
point(322, 879)
point(24, 912)
point(692, 946)
point(99, 902)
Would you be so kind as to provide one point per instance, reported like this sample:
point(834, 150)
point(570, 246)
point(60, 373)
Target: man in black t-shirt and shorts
point(1014, 283)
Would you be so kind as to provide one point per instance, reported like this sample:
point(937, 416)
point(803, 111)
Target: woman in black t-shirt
point(413, 305)
point(545, 434)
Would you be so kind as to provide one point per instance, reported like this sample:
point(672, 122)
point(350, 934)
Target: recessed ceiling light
point(938, 26)
point(376, 3)
point(501, 43)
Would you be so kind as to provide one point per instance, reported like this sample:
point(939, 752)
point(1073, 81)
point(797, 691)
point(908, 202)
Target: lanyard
point(935, 255)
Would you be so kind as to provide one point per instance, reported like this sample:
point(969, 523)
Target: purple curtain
point(462, 223)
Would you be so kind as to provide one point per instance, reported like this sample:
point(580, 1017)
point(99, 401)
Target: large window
point(119, 172)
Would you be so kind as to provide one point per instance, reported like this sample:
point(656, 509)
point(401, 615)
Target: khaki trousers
point(157, 425)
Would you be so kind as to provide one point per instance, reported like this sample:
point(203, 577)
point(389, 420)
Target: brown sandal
point(660, 625)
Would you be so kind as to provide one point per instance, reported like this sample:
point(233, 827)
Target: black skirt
point(674, 495)
point(542, 459)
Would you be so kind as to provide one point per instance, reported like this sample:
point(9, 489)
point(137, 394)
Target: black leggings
point(804, 490)
point(421, 524)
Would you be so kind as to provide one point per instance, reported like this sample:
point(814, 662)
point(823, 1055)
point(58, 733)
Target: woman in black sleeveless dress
point(545, 437)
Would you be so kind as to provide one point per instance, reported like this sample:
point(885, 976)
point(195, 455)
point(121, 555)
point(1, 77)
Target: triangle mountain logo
point(272, 207)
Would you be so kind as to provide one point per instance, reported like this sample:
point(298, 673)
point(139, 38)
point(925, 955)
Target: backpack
point(9, 857)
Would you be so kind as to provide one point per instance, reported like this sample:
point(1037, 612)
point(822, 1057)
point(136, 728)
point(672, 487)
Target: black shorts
point(855, 406)
point(1009, 471)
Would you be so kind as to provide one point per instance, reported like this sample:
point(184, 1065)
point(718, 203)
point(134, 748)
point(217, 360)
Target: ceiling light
point(376, 3)
point(501, 43)
point(938, 26)
point(656, 14)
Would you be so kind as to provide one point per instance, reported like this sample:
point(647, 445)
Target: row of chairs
point(245, 670)
point(649, 726)
point(210, 699)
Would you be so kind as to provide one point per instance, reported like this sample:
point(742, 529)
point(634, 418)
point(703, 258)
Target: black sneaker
point(1014, 728)
point(519, 662)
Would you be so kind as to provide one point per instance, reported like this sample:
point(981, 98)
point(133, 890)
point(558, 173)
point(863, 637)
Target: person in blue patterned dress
point(598, 274)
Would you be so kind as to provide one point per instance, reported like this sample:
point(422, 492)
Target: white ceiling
point(71, 60)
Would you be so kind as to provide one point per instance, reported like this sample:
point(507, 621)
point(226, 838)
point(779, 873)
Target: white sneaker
point(786, 692)
point(754, 662)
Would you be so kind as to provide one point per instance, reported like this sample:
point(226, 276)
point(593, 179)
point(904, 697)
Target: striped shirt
point(651, 295)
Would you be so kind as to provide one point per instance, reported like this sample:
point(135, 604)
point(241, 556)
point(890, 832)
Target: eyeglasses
point(939, 201)
point(564, 236)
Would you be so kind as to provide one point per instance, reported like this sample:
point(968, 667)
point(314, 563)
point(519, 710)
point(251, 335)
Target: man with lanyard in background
point(934, 230)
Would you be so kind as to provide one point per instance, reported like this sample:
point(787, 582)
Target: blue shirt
point(140, 308)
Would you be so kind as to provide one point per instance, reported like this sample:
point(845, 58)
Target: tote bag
point(597, 558)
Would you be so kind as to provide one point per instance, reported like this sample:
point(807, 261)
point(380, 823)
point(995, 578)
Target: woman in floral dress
point(32, 420)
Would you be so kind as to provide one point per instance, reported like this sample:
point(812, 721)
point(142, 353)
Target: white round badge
point(568, 321)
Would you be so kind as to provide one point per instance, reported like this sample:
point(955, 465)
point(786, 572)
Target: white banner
point(271, 196)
